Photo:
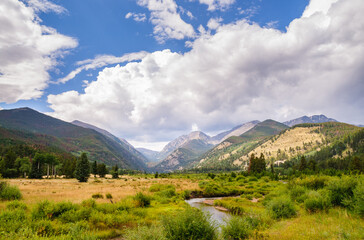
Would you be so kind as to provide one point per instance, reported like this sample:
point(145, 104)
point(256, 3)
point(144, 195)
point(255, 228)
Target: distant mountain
point(236, 131)
point(184, 155)
point(69, 137)
point(223, 155)
point(176, 143)
point(311, 119)
point(151, 155)
point(125, 144)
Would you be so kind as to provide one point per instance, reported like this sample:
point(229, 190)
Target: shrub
point(8, 192)
point(237, 228)
point(312, 182)
point(359, 198)
point(297, 193)
point(317, 201)
point(16, 205)
point(97, 196)
point(43, 228)
point(108, 196)
point(142, 200)
point(189, 224)
point(11, 221)
point(341, 190)
point(281, 207)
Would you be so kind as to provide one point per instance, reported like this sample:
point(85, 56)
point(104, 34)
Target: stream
point(216, 215)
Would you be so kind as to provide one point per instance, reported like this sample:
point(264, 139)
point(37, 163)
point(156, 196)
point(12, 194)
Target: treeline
point(28, 161)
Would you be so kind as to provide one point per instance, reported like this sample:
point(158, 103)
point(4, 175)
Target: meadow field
point(144, 207)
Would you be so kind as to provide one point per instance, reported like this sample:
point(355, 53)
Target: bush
point(317, 201)
point(108, 196)
point(236, 228)
point(297, 193)
point(142, 200)
point(359, 198)
point(189, 224)
point(281, 207)
point(97, 196)
point(16, 205)
point(341, 190)
point(8, 192)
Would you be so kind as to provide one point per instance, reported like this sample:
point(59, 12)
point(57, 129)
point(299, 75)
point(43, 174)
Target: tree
point(115, 172)
point(69, 167)
point(256, 165)
point(23, 165)
point(312, 164)
point(94, 169)
point(303, 164)
point(37, 164)
point(101, 169)
point(82, 171)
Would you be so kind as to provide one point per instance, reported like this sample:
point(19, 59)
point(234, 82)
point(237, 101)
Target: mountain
point(125, 144)
point(236, 131)
point(69, 137)
point(149, 154)
point(176, 143)
point(184, 155)
point(312, 119)
point(223, 155)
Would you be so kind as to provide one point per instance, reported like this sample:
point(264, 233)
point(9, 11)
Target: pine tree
point(115, 172)
point(94, 168)
point(82, 171)
point(303, 164)
point(101, 169)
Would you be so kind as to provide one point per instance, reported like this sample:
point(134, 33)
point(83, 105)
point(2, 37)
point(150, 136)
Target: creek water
point(217, 216)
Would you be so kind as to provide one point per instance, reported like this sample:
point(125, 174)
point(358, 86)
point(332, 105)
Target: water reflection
point(217, 216)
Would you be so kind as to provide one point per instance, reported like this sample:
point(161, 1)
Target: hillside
point(223, 155)
point(125, 144)
point(69, 137)
point(302, 139)
point(236, 131)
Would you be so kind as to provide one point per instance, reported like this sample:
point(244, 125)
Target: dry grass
point(71, 190)
point(291, 139)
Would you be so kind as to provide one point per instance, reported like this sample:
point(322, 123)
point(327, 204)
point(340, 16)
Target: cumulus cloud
point(241, 73)
point(217, 4)
point(138, 17)
point(28, 50)
point(101, 61)
point(167, 22)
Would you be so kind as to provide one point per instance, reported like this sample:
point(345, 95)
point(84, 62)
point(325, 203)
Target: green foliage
point(256, 165)
point(102, 170)
point(8, 192)
point(82, 171)
point(358, 198)
point(317, 201)
point(142, 200)
point(189, 224)
point(108, 195)
point(115, 172)
point(341, 190)
point(236, 228)
point(281, 207)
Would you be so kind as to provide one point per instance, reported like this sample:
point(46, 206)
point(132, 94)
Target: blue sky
point(144, 49)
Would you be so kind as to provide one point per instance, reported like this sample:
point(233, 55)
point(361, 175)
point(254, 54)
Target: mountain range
point(194, 150)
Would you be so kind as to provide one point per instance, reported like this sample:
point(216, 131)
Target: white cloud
point(28, 51)
point(167, 22)
point(101, 61)
point(217, 4)
point(46, 6)
point(138, 17)
point(214, 23)
point(241, 73)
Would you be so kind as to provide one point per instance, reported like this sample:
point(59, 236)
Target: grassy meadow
point(145, 207)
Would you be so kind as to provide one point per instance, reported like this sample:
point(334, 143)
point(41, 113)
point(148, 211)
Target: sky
point(151, 70)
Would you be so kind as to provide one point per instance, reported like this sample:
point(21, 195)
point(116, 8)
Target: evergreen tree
point(312, 164)
point(94, 168)
point(101, 169)
point(303, 164)
point(82, 171)
point(115, 172)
